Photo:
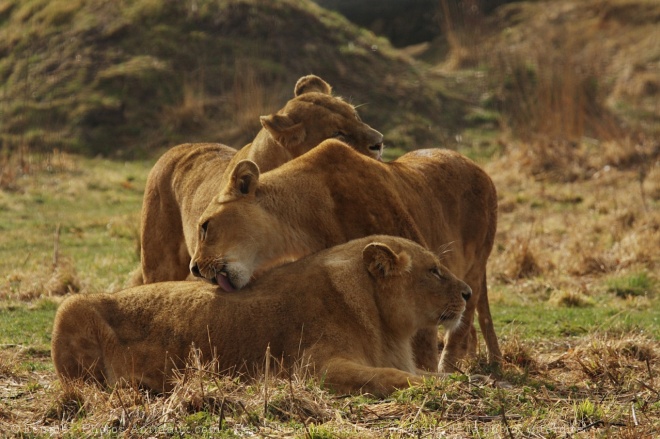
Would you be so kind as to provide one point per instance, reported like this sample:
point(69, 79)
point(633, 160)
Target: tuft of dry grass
point(573, 299)
point(190, 114)
point(24, 162)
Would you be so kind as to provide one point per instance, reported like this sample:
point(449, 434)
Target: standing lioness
point(185, 179)
point(350, 311)
point(332, 194)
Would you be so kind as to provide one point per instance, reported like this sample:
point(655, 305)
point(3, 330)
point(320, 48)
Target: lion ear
point(244, 178)
point(382, 261)
point(285, 130)
point(311, 83)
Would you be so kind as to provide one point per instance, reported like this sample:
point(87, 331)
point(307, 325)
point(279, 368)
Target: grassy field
point(569, 136)
point(574, 292)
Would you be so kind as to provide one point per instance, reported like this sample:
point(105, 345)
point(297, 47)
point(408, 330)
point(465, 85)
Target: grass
point(96, 241)
point(574, 289)
point(580, 339)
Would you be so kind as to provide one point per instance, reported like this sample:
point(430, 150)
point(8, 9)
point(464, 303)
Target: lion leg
point(463, 340)
point(486, 325)
point(459, 341)
point(425, 349)
point(164, 255)
point(348, 376)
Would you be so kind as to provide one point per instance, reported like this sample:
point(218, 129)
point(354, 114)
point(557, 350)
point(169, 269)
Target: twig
point(642, 176)
point(266, 373)
point(250, 417)
point(221, 416)
point(302, 418)
point(504, 420)
point(648, 387)
point(421, 407)
point(634, 415)
point(56, 245)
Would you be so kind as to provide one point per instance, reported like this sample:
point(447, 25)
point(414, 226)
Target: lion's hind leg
point(462, 340)
point(78, 341)
point(486, 325)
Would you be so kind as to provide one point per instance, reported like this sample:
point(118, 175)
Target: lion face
point(414, 276)
point(230, 250)
point(314, 115)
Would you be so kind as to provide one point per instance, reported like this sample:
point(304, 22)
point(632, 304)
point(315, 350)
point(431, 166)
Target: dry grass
point(579, 231)
point(606, 223)
point(600, 385)
point(564, 245)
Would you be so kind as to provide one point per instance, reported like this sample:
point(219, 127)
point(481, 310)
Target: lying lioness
point(350, 311)
point(332, 194)
point(185, 179)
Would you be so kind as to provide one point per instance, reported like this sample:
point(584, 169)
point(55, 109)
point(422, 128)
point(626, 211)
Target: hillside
point(118, 79)
point(601, 57)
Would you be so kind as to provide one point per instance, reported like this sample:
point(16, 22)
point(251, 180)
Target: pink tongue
point(223, 283)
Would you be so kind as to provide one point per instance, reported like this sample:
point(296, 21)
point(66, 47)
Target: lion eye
point(436, 272)
point(203, 230)
point(338, 134)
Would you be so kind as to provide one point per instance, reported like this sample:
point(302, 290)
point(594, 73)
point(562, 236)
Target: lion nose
point(467, 293)
point(194, 269)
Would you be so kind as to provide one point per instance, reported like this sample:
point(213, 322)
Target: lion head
point(233, 268)
point(413, 287)
point(314, 115)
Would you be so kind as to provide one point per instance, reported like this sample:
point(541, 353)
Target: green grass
point(636, 284)
point(543, 321)
point(27, 326)
point(96, 206)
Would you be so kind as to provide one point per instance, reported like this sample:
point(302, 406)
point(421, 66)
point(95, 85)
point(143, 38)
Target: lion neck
point(265, 151)
point(398, 330)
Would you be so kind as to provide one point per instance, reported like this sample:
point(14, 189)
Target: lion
point(185, 179)
point(435, 197)
point(349, 312)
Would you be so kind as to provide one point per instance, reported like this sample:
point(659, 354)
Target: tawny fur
point(349, 311)
point(436, 197)
point(185, 179)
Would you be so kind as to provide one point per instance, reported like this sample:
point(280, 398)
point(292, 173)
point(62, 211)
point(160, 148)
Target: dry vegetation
point(597, 386)
point(574, 276)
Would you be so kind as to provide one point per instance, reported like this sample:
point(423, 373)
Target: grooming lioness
point(185, 179)
point(350, 311)
point(332, 194)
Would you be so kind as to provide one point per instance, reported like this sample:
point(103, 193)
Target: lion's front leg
point(425, 349)
point(348, 376)
point(459, 342)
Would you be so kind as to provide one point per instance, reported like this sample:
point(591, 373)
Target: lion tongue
point(223, 282)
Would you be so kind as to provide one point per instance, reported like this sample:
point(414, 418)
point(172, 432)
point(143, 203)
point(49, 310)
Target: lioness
point(332, 194)
point(350, 311)
point(185, 179)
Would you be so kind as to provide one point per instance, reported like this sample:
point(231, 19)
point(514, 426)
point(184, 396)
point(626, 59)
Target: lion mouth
point(449, 319)
point(222, 280)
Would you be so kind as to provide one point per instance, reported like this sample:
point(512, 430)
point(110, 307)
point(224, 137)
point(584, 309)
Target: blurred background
point(127, 79)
